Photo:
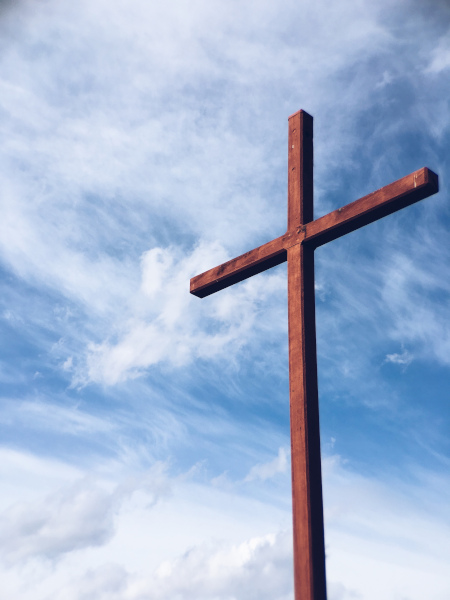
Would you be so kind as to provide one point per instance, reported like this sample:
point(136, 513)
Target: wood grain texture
point(374, 206)
point(260, 259)
point(307, 510)
point(300, 169)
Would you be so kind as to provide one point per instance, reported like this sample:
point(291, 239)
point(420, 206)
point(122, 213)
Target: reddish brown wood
point(300, 169)
point(297, 247)
point(307, 511)
point(374, 206)
point(244, 266)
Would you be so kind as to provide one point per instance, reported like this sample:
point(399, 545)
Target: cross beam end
point(256, 261)
point(385, 201)
point(299, 112)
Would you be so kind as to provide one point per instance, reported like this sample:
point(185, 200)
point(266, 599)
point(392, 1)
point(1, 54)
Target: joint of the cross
point(294, 237)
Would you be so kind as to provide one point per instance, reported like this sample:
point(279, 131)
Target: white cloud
point(47, 416)
point(412, 282)
point(440, 57)
point(269, 469)
point(71, 518)
point(167, 324)
point(257, 568)
point(74, 518)
point(113, 541)
point(405, 358)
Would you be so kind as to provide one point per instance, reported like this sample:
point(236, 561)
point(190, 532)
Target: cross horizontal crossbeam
point(370, 208)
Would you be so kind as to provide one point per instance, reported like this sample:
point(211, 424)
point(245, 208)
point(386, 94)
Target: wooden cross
point(297, 246)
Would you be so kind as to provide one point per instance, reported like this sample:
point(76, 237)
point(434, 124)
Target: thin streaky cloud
point(142, 144)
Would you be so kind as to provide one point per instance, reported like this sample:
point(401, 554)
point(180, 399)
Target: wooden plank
point(307, 509)
point(374, 206)
point(300, 169)
point(260, 259)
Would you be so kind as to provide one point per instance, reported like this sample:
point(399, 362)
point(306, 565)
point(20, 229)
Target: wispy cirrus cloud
point(144, 143)
point(93, 152)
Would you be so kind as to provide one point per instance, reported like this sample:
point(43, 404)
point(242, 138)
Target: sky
point(144, 433)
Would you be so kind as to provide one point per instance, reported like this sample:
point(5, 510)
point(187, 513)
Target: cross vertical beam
point(307, 510)
point(300, 170)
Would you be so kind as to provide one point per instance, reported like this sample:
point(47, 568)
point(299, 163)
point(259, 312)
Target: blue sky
point(144, 432)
